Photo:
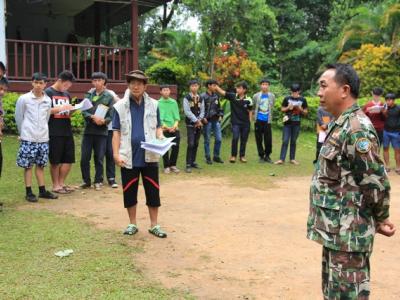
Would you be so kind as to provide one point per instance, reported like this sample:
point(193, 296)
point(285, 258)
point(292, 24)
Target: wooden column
point(3, 56)
point(134, 35)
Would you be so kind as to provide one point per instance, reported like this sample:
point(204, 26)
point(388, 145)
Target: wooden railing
point(26, 57)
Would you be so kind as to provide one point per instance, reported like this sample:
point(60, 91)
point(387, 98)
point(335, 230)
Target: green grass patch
point(101, 267)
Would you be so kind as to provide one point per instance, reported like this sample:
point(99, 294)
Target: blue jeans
point(215, 127)
point(290, 133)
point(242, 132)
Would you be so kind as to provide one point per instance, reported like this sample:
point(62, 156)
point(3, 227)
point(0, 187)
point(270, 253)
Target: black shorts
point(130, 185)
point(61, 150)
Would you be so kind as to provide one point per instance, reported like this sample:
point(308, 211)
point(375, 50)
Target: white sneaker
point(175, 169)
point(97, 186)
point(167, 170)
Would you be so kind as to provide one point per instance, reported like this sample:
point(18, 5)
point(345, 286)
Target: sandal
point(68, 188)
point(131, 229)
point(60, 191)
point(156, 231)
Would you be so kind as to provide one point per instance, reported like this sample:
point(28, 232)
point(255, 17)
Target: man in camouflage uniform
point(349, 195)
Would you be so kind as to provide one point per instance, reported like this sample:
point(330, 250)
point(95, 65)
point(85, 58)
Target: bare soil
point(229, 242)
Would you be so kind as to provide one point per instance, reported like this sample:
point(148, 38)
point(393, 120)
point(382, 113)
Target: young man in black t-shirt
point(294, 107)
point(61, 143)
point(391, 131)
point(241, 107)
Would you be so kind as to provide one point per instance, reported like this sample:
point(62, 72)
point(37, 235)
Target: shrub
point(9, 101)
point(376, 67)
point(170, 71)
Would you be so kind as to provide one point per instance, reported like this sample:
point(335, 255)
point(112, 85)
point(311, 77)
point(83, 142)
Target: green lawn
point(102, 266)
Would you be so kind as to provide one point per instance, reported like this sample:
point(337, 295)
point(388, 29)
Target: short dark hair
point(164, 86)
point(295, 87)
point(66, 76)
point(345, 74)
point(39, 77)
point(390, 96)
point(193, 81)
point(242, 84)
point(99, 75)
point(2, 66)
point(378, 91)
point(265, 80)
point(4, 82)
point(210, 82)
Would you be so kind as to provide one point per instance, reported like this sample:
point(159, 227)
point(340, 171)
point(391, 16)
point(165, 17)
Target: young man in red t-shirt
point(374, 110)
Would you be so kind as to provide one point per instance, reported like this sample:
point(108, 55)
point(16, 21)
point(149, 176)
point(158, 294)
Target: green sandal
point(131, 229)
point(156, 230)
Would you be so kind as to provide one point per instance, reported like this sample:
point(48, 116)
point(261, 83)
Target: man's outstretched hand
point(386, 228)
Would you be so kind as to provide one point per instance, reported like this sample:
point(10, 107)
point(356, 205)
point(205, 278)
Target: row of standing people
point(203, 113)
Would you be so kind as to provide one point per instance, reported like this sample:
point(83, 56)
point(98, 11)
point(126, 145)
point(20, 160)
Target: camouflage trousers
point(345, 275)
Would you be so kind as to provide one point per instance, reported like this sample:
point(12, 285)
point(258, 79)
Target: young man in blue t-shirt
point(263, 103)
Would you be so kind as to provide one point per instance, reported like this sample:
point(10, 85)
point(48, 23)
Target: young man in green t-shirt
point(169, 117)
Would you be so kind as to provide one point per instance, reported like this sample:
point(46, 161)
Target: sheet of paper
point(84, 105)
point(101, 111)
point(158, 146)
point(321, 136)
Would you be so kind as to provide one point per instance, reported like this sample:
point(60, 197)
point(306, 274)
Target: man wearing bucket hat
point(137, 119)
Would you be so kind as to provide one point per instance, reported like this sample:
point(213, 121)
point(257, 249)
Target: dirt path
point(227, 242)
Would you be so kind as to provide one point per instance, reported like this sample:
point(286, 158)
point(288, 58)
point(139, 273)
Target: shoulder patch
point(363, 145)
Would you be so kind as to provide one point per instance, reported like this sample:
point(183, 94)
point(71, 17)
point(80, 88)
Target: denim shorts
point(391, 138)
point(31, 153)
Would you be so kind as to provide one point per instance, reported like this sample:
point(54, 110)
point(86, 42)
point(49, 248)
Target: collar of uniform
point(346, 114)
point(32, 95)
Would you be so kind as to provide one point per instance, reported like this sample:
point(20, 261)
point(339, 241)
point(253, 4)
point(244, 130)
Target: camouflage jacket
point(350, 190)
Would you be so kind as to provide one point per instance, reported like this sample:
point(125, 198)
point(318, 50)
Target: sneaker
point(188, 169)
point(268, 160)
point(131, 229)
point(113, 184)
point(167, 170)
point(232, 160)
point(31, 198)
point(243, 159)
point(208, 161)
point(218, 160)
point(195, 166)
point(48, 195)
point(294, 162)
point(279, 162)
point(97, 186)
point(261, 160)
point(174, 169)
point(85, 186)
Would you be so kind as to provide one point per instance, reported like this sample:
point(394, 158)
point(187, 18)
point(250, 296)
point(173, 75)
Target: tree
point(226, 20)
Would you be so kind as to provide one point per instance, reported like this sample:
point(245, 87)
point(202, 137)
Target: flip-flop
point(60, 191)
point(68, 188)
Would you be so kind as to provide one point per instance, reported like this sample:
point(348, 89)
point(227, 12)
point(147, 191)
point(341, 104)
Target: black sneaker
point(208, 161)
point(31, 198)
point(262, 160)
point(218, 160)
point(268, 160)
point(195, 166)
point(85, 185)
point(47, 195)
